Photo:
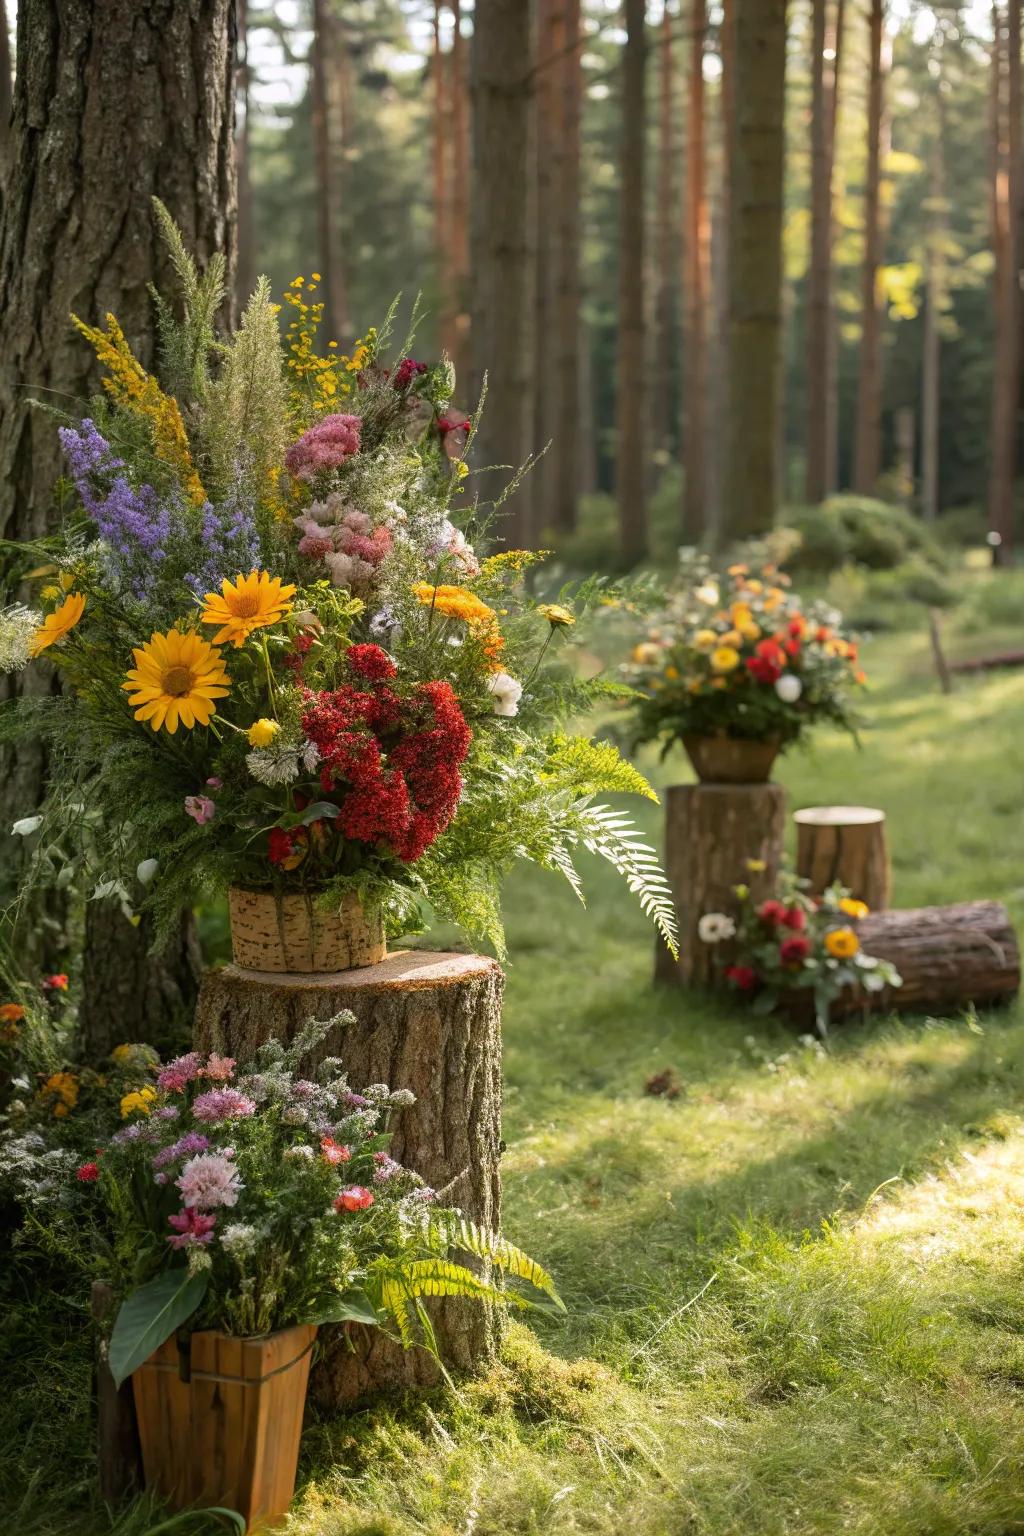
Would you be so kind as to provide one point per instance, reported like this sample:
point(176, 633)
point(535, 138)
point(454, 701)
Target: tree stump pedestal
point(844, 843)
point(713, 833)
point(425, 1021)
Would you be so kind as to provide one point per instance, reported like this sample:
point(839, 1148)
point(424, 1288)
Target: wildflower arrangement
point(249, 1199)
point(285, 664)
point(796, 943)
point(738, 653)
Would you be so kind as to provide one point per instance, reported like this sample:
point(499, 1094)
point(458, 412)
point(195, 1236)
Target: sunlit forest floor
point(795, 1299)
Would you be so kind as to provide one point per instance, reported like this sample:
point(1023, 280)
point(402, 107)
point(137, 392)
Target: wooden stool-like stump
point(712, 834)
point(425, 1021)
point(844, 843)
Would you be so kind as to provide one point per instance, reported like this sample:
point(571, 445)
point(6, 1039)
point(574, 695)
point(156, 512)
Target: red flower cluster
point(744, 977)
point(58, 983)
point(406, 371)
point(789, 923)
point(768, 661)
point(396, 758)
point(87, 1173)
point(354, 1198)
point(794, 950)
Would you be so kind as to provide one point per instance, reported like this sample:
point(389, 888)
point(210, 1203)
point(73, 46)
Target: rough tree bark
point(665, 342)
point(499, 245)
point(711, 831)
point(935, 301)
point(567, 296)
point(630, 411)
point(110, 108)
point(696, 289)
point(245, 270)
point(1006, 211)
point(948, 957)
point(442, 205)
point(424, 1021)
point(547, 156)
point(820, 353)
point(755, 268)
point(716, 463)
point(5, 91)
point(844, 843)
point(867, 460)
point(460, 195)
point(326, 159)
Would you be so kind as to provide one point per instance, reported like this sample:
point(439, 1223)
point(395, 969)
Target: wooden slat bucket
point(220, 1424)
point(279, 932)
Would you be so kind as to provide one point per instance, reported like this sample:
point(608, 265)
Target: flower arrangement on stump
point(793, 950)
point(287, 669)
point(736, 668)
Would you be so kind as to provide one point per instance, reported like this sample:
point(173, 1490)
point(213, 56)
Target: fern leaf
point(462, 1233)
point(591, 766)
point(613, 836)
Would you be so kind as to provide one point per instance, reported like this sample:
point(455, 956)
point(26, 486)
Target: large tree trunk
point(111, 107)
point(424, 1021)
point(665, 343)
point(246, 270)
point(328, 171)
point(547, 156)
point(867, 461)
point(719, 445)
point(832, 402)
point(819, 323)
point(499, 246)
point(935, 300)
point(460, 197)
point(442, 204)
point(5, 92)
point(696, 287)
point(630, 411)
point(1006, 210)
point(755, 268)
point(567, 295)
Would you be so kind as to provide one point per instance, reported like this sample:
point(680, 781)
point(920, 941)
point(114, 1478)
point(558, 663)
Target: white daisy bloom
point(714, 927)
point(507, 692)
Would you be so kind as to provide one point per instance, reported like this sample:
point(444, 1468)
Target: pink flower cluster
point(344, 539)
point(324, 446)
point(222, 1104)
point(192, 1228)
point(182, 1070)
point(209, 1180)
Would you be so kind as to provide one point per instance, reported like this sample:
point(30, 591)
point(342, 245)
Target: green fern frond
point(613, 836)
point(590, 767)
point(462, 1233)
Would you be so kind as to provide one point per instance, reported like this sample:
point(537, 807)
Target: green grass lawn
point(794, 1293)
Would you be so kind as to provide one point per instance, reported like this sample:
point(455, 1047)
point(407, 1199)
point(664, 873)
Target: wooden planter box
point(220, 1421)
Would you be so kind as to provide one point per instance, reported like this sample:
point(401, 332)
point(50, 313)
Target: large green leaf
point(150, 1315)
point(353, 1307)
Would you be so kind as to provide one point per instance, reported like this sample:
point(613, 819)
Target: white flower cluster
point(17, 626)
point(239, 1240)
point(715, 927)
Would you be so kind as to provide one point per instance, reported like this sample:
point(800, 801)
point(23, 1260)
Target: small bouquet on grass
point(794, 946)
point(285, 666)
point(247, 1200)
point(739, 657)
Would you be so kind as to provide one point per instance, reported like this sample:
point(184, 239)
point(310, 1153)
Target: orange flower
point(11, 1013)
point(58, 624)
point(248, 603)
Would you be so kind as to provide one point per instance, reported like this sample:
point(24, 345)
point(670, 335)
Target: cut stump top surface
point(838, 816)
point(406, 970)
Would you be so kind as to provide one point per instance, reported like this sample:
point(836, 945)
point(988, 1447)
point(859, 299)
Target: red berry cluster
point(396, 759)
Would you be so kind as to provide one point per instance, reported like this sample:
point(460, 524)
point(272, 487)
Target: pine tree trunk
point(935, 290)
point(326, 160)
point(719, 444)
point(5, 92)
point(567, 297)
point(499, 247)
point(819, 275)
point(755, 268)
point(868, 447)
point(423, 1021)
point(630, 413)
point(246, 268)
point(460, 197)
point(442, 206)
point(832, 374)
point(1006, 210)
point(665, 344)
point(547, 154)
point(105, 116)
point(696, 289)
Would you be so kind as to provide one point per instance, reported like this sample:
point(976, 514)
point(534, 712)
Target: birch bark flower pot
point(220, 1421)
point(725, 759)
point(272, 931)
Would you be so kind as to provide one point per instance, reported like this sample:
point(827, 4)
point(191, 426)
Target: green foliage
point(242, 425)
point(150, 1315)
point(859, 530)
point(186, 345)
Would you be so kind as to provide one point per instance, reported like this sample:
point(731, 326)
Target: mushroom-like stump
point(844, 843)
point(425, 1021)
point(713, 833)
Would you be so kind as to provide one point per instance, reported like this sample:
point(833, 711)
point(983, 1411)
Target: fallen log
point(948, 957)
point(987, 663)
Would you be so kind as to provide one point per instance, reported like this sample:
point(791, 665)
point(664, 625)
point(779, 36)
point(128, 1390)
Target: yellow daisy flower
point(557, 616)
point(842, 943)
point(725, 659)
point(58, 624)
point(705, 639)
point(137, 1102)
point(262, 732)
point(176, 677)
point(248, 603)
point(853, 908)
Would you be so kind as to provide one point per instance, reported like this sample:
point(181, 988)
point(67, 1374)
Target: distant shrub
point(890, 600)
point(994, 601)
point(870, 533)
point(962, 526)
point(822, 543)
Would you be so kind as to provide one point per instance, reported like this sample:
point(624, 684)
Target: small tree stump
point(844, 843)
point(948, 957)
point(424, 1021)
point(712, 833)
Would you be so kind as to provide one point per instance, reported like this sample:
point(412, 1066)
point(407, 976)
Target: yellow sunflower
point(248, 603)
point(58, 624)
point(725, 658)
point(842, 943)
point(176, 677)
